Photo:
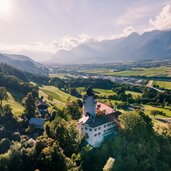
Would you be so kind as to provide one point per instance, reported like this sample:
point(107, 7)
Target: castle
point(99, 121)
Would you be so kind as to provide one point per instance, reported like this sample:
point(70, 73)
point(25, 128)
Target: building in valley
point(99, 121)
point(42, 107)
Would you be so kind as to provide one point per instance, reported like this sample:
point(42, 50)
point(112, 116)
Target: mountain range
point(154, 45)
point(23, 63)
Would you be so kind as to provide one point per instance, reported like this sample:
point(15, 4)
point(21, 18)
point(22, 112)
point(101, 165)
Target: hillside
point(23, 63)
point(16, 82)
point(10, 71)
point(15, 102)
point(59, 97)
point(148, 46)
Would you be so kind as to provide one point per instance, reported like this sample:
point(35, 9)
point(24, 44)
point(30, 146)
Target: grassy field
point(13, 101)
point(59, 97)
point(133, 93)
point(149, 72)
point(148, 109)
point(99, 71)
point(98, 91)
point(103, 92)
point(163, 84)
point(81, 90)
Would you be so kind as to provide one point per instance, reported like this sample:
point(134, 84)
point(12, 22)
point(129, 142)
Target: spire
point(89, 106)
point(90, 91)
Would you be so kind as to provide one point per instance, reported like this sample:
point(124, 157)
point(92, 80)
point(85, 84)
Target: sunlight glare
point(5, 7)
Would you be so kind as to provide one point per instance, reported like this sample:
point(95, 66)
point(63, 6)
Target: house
point(37, 122)
point(99, 121)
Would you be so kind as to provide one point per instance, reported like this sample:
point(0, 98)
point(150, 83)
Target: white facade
point(96, 135)
point(94, 127)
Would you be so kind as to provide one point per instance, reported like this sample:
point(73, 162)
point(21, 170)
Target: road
point(150, 85)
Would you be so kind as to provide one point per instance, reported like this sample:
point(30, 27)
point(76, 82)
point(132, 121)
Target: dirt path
point(150, 83)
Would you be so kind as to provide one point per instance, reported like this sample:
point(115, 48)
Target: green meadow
point(15, 102)
point(149, 72)
point(163, 84)
point(149, 108)
point(59, 97)
point(97, 91)
point(133, 93)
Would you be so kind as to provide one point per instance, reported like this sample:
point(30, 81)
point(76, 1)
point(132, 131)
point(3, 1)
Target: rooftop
point(100, 120)
point(108, 116)
point(37, 121)
point(105, 108)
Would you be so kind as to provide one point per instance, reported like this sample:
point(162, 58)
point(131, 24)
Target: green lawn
point(133, 93)
point(16, 106)
point(163, 84)
point(149, 72)
point(59, 97)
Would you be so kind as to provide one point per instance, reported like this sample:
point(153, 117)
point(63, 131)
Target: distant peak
point(134, 34)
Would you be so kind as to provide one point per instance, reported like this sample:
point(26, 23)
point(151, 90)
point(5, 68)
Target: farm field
point(59, 97)
point(149, 72)
point(163, 84)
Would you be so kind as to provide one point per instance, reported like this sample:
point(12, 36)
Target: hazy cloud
point(128, 30)
point(163, 20)
point(133, 15)
point(41, 29)
point(68, 42)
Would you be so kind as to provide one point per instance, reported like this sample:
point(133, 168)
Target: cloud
point(39, 48)
point(35, 46)
point(133, 15)
point(126, 32)
point(46, 50)
point(68, 42)
point(163, 20)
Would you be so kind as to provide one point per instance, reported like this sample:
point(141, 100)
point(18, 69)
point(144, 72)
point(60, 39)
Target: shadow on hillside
point(39, 84)
point(18, 97)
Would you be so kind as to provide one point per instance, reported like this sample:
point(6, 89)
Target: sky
point(40, 28)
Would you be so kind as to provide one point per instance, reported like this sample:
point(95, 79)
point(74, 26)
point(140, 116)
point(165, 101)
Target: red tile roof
point(105, 108)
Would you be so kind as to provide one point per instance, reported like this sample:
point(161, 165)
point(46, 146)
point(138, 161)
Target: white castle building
point(99, 121)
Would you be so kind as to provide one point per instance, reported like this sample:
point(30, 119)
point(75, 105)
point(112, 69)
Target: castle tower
point(89, 103)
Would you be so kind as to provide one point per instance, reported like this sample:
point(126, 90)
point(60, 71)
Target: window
point(90, 129)
point(85, 128)
point(95, 135)
point(104, 126)
point(95, 129)
point(99, 133)
point(110, 129)
point(86, 135)
point(99, 128)
point(104, 131)
point(109, 124)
